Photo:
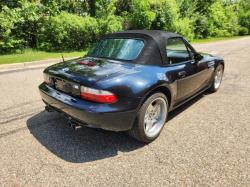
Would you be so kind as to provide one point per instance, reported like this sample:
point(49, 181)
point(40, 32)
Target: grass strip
point(36, 56)
point(216, 39)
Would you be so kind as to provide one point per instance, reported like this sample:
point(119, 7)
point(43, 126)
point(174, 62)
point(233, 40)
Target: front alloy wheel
point(217, 79)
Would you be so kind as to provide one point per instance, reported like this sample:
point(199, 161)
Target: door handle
point(181, 73)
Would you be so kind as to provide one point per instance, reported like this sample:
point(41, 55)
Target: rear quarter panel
point(136, 82)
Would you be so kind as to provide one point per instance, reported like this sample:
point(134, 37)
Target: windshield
point(125, 49)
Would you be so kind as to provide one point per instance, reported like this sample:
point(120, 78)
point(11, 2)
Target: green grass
point(36, 55)
point(216, 39)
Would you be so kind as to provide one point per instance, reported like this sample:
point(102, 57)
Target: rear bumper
point(118, 116)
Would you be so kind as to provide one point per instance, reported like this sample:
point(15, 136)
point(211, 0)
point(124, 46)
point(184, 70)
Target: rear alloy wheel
point(151, 118)
point(218, 74)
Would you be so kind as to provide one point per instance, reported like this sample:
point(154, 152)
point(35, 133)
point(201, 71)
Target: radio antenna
point(62, 58)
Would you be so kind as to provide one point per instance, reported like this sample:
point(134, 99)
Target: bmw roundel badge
point(65, 69)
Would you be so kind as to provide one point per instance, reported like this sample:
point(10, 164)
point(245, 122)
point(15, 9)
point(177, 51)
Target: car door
point(189, 76)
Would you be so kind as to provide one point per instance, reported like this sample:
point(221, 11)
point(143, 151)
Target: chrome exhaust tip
point(76, 126)
point(70, 124)
point(48, 109)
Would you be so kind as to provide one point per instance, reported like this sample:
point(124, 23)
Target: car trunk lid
point(70, 75)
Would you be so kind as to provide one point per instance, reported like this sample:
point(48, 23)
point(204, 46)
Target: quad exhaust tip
point(70, 124)
point(48, 109)
point(74, 125)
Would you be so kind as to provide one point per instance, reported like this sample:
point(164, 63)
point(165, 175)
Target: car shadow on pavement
point(86, 144)
point(186, 105)
point(82, 145)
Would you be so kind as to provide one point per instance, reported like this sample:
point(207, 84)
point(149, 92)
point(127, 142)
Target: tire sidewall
point(216, 70)
point(141, 117)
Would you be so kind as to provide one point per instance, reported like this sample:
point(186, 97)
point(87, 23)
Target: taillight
point(46, 78)
point(99, 96)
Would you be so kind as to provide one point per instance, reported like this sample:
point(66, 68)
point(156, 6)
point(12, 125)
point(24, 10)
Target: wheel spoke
point(150, 108)
point(159, 109)
point(218, 78)
point(146, 121)
point(154, 121)
point(157, 105)
point(156, 116)
point(149, 124)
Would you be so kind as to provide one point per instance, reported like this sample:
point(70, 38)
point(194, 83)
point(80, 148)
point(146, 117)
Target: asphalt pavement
point(205, 142)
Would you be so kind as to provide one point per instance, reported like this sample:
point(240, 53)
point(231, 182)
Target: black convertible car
point(129, 81)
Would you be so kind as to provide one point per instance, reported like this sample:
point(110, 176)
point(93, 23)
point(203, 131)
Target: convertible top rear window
point(124, 49)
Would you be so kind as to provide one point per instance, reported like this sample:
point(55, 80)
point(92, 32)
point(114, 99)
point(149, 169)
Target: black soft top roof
point(152, 33)
point(154, 50)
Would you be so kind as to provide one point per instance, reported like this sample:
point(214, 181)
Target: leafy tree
point(108, 22)
point(30, 21)
point(92, 7)
point(185, 28)
point(124, 6)
point(9, 3)
point(142, 17)
point(244, 13)
point(187, 8)
point(80, 7)
point(74, 24)
point(20, 26)
point(166, 14)
point(8, 42)
point(243, 31)
point(68, 31)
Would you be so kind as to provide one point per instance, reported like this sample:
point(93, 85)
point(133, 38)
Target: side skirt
point(179, 103)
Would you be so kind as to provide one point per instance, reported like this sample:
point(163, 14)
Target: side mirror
point(198, 57)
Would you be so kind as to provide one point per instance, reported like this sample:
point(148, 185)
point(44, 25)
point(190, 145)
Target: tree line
point(53, 25)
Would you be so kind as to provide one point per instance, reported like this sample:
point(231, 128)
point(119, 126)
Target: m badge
point(75, 87)
point(65, 69)
point(209, 64)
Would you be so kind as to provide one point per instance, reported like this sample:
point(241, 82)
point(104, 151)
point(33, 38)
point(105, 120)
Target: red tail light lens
point(99, 96)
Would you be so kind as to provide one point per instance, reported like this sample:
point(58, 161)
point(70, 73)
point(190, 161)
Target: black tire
point(138, 130)
point(215, 87)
